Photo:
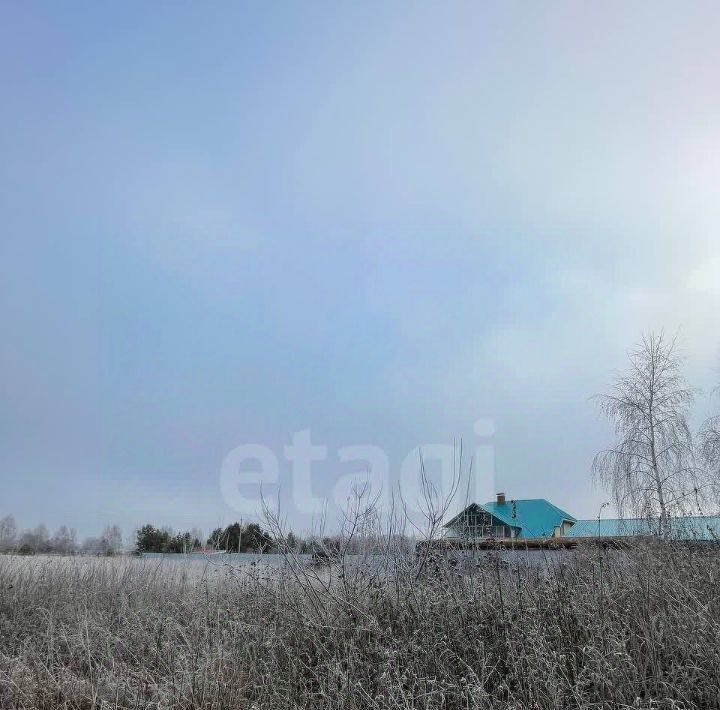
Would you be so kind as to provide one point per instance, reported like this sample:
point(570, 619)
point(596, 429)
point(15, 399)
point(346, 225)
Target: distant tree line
point(64, 541)
point(241, 538)
point(151, 539)
point(233, 538)
point(236, 537)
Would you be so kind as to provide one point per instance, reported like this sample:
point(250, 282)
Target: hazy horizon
point(224, 225)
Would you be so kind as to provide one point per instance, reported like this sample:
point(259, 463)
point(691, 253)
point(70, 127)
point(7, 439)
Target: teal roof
point(535, 517)
point(688, 528)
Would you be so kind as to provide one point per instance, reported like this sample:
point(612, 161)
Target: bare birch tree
point(111, 540)
point(650, 471)
point(64, 541)
point(8, 532)
point(710, 450)
point(711, 443)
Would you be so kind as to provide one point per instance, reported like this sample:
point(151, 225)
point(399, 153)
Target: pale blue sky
point(226, 222)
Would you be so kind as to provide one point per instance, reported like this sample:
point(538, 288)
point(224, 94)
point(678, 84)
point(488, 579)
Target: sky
point(391, 225)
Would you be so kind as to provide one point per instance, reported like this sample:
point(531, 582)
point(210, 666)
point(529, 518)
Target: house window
point(479, 524)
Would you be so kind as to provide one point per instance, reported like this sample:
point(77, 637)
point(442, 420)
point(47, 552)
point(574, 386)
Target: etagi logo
point(250, 473)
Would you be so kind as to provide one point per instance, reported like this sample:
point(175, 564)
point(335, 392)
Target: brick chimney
point(500, 498)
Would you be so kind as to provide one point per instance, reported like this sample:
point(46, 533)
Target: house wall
point(480, 531)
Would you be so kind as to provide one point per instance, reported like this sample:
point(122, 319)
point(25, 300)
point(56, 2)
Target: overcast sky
point(224, 223)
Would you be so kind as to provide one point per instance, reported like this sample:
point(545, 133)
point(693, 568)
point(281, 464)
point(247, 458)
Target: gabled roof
point(536, 517)
point(472, 508)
